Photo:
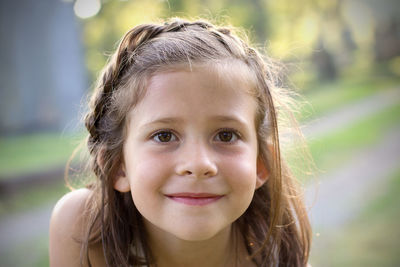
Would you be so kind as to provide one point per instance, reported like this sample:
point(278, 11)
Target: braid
point(112, 75)
point(124, 58)
point(142, 52)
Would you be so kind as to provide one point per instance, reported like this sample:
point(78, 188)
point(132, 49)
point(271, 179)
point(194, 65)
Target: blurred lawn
point(32, 153)
point(323, 98)
point(372, 239)
point(335, 148)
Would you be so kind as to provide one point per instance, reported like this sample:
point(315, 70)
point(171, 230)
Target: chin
point(197, 234)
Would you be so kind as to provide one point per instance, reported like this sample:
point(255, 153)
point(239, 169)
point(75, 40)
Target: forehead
point(222, 73)
point(199, 89)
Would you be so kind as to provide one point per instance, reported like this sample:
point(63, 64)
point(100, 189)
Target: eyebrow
point(166, 120)
point(223, 118)
point(175, 120)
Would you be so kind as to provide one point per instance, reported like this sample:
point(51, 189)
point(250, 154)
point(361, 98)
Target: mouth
point(194, 199)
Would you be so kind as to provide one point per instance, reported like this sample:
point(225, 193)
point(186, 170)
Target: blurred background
point(342, 56)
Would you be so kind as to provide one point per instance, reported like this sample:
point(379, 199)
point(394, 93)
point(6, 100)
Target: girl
point(183, 137)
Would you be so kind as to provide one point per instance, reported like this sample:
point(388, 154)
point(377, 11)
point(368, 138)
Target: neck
point(220, 250)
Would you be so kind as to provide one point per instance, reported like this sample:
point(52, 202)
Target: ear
point(121, 182)
point(262, 172)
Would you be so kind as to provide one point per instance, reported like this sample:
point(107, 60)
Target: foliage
point(102, 32)
point(290, 30)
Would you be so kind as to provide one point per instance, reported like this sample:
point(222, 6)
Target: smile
point(194, 199)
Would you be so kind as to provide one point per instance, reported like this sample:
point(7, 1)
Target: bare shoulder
point(72, 202)
point(66, 228)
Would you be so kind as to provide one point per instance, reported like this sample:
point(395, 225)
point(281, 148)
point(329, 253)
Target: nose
point(196, 160)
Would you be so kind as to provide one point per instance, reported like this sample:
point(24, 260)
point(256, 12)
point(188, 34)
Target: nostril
point(198, 165)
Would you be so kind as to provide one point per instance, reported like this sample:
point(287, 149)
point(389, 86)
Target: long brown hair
point(275, 227)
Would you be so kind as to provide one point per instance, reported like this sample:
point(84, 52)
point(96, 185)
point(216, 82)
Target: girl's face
point(190, 157)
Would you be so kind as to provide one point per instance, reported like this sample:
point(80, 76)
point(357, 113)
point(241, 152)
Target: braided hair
point(275, 227)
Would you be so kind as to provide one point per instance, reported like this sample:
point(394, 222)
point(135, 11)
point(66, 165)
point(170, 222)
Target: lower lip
point(195, 201)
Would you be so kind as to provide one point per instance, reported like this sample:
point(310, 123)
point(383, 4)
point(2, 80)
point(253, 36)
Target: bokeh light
point(87, 8)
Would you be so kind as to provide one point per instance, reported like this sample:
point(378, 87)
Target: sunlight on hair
point(86, 8)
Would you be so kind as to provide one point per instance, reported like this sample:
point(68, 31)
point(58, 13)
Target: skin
point(200, 138)
point(66, 225)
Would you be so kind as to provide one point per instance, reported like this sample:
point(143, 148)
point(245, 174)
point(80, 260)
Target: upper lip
point(193, 195)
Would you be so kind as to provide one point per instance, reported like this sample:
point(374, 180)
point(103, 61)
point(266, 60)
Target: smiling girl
point(183, 136)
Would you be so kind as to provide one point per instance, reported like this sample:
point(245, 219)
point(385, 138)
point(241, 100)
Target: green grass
point(31, 153)
point(337, 147)
point(334, 148)
point(372, 239)
point(327, 97)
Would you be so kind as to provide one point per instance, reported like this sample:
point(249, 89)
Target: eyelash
point(165, 131)
point(235, 135)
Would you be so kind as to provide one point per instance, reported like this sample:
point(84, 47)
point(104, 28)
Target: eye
point(227, 136)
point(164, 137)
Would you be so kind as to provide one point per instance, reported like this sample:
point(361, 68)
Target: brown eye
point(164, 137)
point(226, 136)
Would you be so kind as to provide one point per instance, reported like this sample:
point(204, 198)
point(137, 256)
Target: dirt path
point(353, 112)
point(23, 237)
point(339, 194)
point(28, 225)
point(336, 197)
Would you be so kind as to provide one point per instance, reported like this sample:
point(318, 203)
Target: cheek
point(146, 172)
point(241, 175)
point(241, 172)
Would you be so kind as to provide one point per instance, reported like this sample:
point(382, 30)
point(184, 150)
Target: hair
point(275, 226)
